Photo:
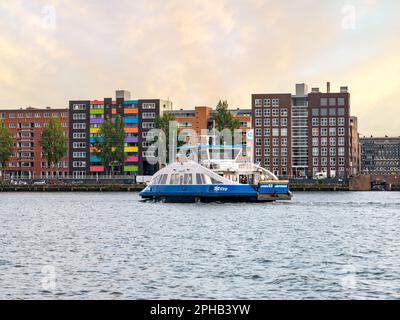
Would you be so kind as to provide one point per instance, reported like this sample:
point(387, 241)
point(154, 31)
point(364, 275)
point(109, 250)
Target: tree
point(162, 123)
point(53, 143)
point(6, 147)
point(224, 118)
point(110, 143)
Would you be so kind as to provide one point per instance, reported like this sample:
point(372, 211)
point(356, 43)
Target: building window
point(267, 162)
point(315, 142)
point(148, 106)
point(79, 116)
point(267, 131)
point(341, 161)
point(332, 132)
point(315, 132)
point(79, 164)
point(275, 142)
point(275, 152)
point(341, 131)
point(332, 102)
point(315, 122)
point(315, 162)
point(275, 132)
point(258, 152)
point(284, 122)
point(258, 142)
point(324, 141)
point(332, 161)
point(258, 113)
point(284, 112)
point(275, 122)
point(267, 141)
point(258, 132)
point(332, 152)
point(79, 135)
point(284, 152)
point(275, 112)
point(332, 141)
point(341, 122)
point(315, 152)
point(149, 115)
point(267, 102)
point(266, 152)
point(332, 122)
point(341, 102)
point(267, 112)
point(267, 122)
point(79, 126)
point(324, 122)
point(283, 132)
point(341, 141)
point(79, 145)
point(258, 122)
point(148, 125)
point(324, 102)
point(341, 152)
point(79, 154)
point(324, 132)
point(324, 151)
point(284, 142)
point(79, 107)
point(275, 102)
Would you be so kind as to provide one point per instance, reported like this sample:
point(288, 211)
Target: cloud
point(196, 52)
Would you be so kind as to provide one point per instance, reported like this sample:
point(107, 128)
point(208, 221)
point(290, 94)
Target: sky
point(196, 52)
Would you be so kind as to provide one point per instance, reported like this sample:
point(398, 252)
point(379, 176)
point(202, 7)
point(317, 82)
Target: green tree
point(53, 143)
point(224, 118)
point(110, 143)
point(6, 147)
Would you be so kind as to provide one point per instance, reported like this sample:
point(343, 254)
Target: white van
point(320, 175)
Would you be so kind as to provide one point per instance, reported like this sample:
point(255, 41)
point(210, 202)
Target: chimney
point(328, 87)
point(344, 89)
point(315, 90)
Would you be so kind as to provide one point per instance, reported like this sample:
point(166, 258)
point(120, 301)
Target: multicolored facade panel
point(97, 112)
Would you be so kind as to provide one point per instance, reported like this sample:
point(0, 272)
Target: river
point(334, 245)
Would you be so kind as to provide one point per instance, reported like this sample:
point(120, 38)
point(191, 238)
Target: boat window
point(174, 178)
point(163, 179)
point(188, 178)
point(214, 181)
point(156, 180)
point(181, 179)
point(200, 178)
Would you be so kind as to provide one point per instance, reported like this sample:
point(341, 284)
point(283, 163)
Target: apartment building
point(380, 155)
point(86, 118)
point(26, 127)
point(306, 133)
point(272, 125)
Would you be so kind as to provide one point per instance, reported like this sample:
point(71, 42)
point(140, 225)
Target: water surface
point(111, 246)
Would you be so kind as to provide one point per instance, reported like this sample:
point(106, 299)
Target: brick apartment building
point(272, 131)
point(86, 118)
point(303, 134)
point(26, 127)
point(203, 118)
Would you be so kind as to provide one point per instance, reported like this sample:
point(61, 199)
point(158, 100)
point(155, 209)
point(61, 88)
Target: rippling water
point(111, 246)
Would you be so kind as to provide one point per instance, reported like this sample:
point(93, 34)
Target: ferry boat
point(216, 180)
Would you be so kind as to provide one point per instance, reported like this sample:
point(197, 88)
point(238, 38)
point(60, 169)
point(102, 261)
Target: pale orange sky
point(197, 52)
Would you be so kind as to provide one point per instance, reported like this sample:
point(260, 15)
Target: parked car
point(40, 183)
point(56, 182)
point(75, 182)
point(320, 176)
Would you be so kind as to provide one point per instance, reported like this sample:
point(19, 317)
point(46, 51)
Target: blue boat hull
point(223, 193)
